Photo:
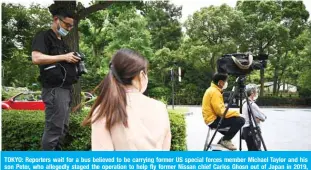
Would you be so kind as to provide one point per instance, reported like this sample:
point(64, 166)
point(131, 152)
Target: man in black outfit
point(58, 71)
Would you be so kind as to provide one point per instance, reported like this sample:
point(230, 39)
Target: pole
point(179, 74)
point(172, 78)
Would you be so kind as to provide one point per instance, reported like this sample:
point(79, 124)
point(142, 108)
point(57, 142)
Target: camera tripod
point(239, 89)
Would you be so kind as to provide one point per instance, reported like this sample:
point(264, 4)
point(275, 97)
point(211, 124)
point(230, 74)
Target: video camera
point(81, 65)
point(239, 64)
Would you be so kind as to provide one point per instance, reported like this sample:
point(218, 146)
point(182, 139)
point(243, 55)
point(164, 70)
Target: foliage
point(19, 25)
point(92, 44)
point(216, 29)
point(178, 130)
point(9, 92)
point(278, 28)
point(22, 130)
point(19, 71)
point(304, 76)
point(162, 18)
point(271, 27)
point(129, 31)
point(283, 101)
point(160, 93)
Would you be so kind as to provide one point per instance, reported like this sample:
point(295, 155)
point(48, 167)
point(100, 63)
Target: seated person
point(213, 109)
point(252, 141)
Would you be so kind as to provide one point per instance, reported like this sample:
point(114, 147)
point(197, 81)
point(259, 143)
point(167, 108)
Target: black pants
point(235, 124)
point(252, 140)
point(57, 101)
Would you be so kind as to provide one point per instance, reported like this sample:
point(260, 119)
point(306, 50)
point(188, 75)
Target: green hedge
point(178, 130)
point(22, 130)
point(283, 101)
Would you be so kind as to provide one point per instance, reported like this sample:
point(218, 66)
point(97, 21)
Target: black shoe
point(58, 147)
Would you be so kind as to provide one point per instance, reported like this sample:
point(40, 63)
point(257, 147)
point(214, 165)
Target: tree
point(261, 28)
point(216, 28)
point(129, 31)
point(19, 24)
point(272, 24)
point(294, 20)
point(196, 71)
point(304, 61)
point(18, 70)
point(92, 43)
point(163, 24)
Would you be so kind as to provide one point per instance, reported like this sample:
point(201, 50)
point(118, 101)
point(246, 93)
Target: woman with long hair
point(123, 118)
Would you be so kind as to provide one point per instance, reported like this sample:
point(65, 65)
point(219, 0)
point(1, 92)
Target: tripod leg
point(240, 140)
point(207, 137)
point(254, 129)
point(241, 98)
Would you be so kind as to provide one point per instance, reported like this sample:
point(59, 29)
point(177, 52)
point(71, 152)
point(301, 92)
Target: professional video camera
point(241, 63)
point(81, 65)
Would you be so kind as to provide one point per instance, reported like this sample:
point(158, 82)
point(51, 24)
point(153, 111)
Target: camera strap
point(65, 74)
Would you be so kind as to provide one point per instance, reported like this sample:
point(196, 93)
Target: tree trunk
point(212, 62)
point(279, 83)
point(278, 87)
point(73, 42)
point(262, 81)
point(94, 53)
point(275, 80)
point(276, 75)
point(283, 68)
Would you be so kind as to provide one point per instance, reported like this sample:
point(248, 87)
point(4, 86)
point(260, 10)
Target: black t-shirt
point(60, 74)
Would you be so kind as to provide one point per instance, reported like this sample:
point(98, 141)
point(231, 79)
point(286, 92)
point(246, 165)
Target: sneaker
point(219, 141)
point(228, 144)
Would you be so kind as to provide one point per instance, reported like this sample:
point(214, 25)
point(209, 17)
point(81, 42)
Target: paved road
point(284, 129)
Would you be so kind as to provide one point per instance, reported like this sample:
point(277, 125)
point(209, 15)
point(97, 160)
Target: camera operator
point(58, 71)
point(213, 108)
point(252, 139)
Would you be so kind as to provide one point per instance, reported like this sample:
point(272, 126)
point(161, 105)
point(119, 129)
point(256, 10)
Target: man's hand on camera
point(71, 58)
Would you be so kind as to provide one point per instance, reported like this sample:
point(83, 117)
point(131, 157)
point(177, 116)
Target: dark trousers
point(57, 101)
point(235, 124)
point(252, 141)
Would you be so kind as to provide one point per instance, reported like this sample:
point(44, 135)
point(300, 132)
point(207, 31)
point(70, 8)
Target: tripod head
point(240, 82)
point(238, 89)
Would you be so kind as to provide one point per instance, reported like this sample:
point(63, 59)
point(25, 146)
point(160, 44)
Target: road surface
point(285, 129)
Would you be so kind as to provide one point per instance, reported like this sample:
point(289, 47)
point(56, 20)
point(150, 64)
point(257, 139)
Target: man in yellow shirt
point(213, 108)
